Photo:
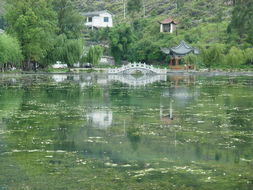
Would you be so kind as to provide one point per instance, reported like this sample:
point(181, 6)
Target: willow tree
point(94, 54)
point(248, 53)
point(212, 55)
point(69, 44)
point(235, 57)
point(10, 52)
point(68, 51)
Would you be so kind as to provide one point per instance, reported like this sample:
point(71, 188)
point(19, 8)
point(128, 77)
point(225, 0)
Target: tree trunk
point(27, 65)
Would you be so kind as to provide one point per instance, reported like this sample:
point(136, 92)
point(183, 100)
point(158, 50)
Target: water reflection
point(167, 116)
point(59, 77)
point(74, 127)
point(138, 81)
point(100, 119)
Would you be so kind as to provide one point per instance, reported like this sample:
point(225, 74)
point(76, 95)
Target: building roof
point(180, 50)
point(96, 13)
point(168, 21)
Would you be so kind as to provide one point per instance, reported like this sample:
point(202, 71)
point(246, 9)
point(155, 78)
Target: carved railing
point(131, 67)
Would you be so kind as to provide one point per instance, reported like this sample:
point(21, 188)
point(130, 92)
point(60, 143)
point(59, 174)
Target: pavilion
point(168, 25)
point(176, 53)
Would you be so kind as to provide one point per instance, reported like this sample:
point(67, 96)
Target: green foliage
point(70, 22)
point(9, 51)
point(235, 57)
point(242, 19)
point(144, 50)
point(66, 50)
point(100, 35)
point(191, 59)
point(94, 55)
point(212, 55)
point(120, 39)
point(180, 3)
point(134, 6)
point(33, 22)
point(248, 53)
point(48, 31)
point(2, 23)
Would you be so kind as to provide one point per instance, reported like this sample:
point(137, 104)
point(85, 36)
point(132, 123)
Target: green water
point(90, 131)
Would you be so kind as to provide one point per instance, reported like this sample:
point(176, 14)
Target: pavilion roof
point(168, 21)
point(180, 50)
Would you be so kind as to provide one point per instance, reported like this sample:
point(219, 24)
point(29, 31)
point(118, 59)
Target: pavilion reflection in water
point(176, 97)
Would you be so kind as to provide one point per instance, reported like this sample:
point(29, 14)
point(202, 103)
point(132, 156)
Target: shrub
point(212, 55)
point(94, 54)
point(248, 53)
point(191, 59)
point(235, 57)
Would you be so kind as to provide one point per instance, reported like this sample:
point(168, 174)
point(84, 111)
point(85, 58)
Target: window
point(106, 19)
point(89, 19)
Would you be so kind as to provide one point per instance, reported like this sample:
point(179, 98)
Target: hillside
point(200, 21)
point(195, 10)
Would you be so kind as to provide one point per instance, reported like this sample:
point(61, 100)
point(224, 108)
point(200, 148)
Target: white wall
point(98, 21)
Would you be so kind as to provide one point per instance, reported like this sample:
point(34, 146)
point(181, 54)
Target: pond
point(94, 131)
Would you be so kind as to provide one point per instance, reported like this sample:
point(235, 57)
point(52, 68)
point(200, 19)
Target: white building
point(99, 19)
point(1, 31)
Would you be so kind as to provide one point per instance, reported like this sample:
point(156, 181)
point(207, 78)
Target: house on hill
point(168, 25)
point(98, 19)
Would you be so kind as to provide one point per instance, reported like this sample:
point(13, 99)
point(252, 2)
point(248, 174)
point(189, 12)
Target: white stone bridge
point(133, 67)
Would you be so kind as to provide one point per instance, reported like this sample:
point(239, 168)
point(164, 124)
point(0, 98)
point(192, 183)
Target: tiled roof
point(181, 49)
point(168, 21)
point(96, 13)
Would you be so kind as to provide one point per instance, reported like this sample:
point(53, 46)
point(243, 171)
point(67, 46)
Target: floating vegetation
point(87, 131)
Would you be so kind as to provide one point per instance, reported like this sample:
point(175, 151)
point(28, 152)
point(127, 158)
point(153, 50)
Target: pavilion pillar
point(177, 61)
point(171, 61)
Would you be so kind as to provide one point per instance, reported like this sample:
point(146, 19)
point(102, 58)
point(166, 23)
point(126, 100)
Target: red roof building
point(168, 25)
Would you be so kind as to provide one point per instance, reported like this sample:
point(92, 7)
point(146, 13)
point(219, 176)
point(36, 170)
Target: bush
point(212, 55)
point(94, 54)
point(120, 39)
point(235, 58)
point(191, 59)
point(248, 53)
point(144, 51)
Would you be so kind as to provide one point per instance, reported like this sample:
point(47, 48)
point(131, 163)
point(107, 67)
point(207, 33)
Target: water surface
point(93, 131)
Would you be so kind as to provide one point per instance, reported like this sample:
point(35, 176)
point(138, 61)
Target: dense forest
point(46, 31)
